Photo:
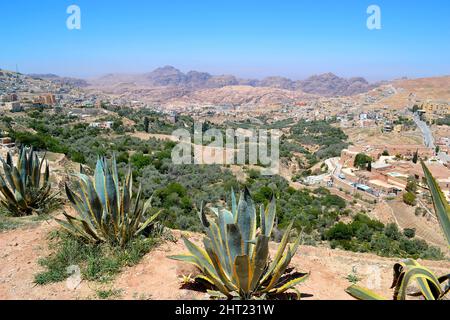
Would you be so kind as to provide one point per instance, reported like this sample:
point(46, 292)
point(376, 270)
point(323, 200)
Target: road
point(426, 132)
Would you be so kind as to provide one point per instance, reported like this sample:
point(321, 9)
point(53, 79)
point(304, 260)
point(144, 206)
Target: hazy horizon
point(255, 39)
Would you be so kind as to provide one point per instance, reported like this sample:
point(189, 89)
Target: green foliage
point(445, 121)
point(340, 231)
point(331, 142)
point(362, 160)
point(140, 161)
point(409, 198)
point(105, 208)
point(411, 185)
point(366, 235)
point(409, 232)
point(24, 188)
point(236, 259)
point(97, 262)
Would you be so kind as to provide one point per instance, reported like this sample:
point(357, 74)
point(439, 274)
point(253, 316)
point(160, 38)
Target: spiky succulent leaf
point(104, 207)
point(361, 293)
point(441, 207)
point(24, 188)
point(236, 260)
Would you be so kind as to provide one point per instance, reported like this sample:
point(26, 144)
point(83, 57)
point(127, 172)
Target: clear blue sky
point(248, 38)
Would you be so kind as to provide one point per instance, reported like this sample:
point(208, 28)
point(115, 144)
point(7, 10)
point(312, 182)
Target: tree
point(409, 233)
point(411, 186)
point(415, 156)
point(340, 231)
point(146, 124)
point(385, 153)
point(361, 160)
point(409, 198)
point(391, 230)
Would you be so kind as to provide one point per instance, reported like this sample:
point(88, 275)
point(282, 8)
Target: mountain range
point(327, 84)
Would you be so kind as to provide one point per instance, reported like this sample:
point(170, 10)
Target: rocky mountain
point(75, 82)
point(329, 84)
point(166, 76)
point(326, 84)
point(277, 82)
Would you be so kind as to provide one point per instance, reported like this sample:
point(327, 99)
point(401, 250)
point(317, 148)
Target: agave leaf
point(423, 273)
point(218, 245)
point(427, 289)
point(100, 181)
point(262, 218)
point(202, 216)
point(148, 222)
point(111, 199)
point(246, 219)
point(233, 204)
point(269, 219)
point(9, 196)
point(218, 266)
point(279, 254)
point(361, 293)
point(279, 271)
point(201, 255)
point(235, 245)
point(259, 260)
point(223, 229)
point(242, 272)
point(441, 206)
point(291, 284)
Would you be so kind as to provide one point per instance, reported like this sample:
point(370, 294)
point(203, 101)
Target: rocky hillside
point(326, 84)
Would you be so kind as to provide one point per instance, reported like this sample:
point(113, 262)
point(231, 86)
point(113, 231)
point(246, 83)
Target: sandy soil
point(157, 277)
point(373, 136)
point(427, 229)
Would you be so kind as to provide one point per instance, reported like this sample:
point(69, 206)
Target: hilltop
point(325, 84)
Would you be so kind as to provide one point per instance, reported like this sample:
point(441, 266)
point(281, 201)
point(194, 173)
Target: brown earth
point(157, 277)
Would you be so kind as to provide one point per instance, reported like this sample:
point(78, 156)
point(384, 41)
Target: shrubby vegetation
point(331, 140)
point(178, 190)
point(409, 198)
point(445, 121)
point(96, 262)
point(366, 235)
point(362, 161)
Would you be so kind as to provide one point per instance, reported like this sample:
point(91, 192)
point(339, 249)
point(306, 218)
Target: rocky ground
point(157, 277)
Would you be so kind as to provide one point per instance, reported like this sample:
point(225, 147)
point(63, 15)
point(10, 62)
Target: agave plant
point(24, 188)
point(431, 286)
point(235, 258)
point(106, 210)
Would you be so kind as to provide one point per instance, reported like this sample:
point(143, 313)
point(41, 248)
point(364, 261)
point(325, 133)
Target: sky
point(246, 38)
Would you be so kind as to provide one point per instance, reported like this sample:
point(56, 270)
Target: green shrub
point(409, 198)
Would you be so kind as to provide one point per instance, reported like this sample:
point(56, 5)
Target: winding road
point(426, 132)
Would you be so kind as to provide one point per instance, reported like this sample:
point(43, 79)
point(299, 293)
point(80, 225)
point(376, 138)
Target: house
point(102, 125)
